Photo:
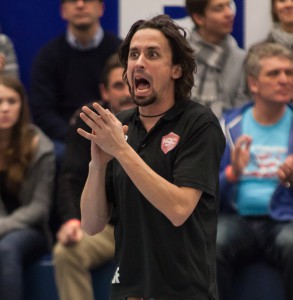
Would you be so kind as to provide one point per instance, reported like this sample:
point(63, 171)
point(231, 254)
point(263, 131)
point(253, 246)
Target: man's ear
point(101, 9)
point(177, 72)
point(103, 92)
point(63, 12)
point(197, 19)
point(252, 84)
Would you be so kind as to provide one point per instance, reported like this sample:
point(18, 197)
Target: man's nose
point(79, 3)
point(140, 62)
point(284, 77)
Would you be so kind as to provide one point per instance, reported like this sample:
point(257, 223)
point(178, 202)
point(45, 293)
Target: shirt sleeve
point(198, 160)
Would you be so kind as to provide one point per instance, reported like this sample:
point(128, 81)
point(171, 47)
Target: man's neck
point(84, 36)
point(150, 115)
point(269, 113)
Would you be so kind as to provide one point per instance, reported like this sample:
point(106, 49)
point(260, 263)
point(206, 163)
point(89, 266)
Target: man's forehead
point(147, 37)
point(274, 63)
point(275, 60)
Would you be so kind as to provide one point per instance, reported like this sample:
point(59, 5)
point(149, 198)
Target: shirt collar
point(176, 110)
point(93, 43)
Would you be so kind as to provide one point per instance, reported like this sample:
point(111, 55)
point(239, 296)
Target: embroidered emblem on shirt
point(116, 277)
point(169, 142)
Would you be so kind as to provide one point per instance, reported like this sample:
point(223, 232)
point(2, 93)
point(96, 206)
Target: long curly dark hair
point(182, 53)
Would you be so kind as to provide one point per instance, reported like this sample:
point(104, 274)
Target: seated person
point(257, 171)
point(8, 61)
point(27, 170)
point(219, 80)
point(67, 71)
point(282, 15)
point(76, 253)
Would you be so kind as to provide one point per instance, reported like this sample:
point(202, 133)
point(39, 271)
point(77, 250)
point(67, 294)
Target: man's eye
point(289, 73)
point(133, 54)
point(118, 85)
point(153, 54)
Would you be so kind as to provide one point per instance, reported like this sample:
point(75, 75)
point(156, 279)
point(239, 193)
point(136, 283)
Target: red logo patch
point(169, 142)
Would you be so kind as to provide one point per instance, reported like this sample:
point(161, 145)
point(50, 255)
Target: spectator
point(158, 171)
point(219, 81)
point(282, 15)
point(67, 71)
point(26, 177)
point(257, 171)
point(76, 253)
point(8, 61)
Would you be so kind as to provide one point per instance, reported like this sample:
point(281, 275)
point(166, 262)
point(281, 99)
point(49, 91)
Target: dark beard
point(82, 27)
point(142, 101)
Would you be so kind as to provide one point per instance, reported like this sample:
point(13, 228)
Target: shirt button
point(143, 145)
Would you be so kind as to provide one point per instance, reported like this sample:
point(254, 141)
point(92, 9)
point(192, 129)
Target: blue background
point(32, 23)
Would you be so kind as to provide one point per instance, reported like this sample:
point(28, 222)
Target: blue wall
point(31, 23)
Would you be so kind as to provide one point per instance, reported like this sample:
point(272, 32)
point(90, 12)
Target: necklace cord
point(154, 116)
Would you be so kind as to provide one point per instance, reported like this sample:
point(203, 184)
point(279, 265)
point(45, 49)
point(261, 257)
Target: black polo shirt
point(155, 258)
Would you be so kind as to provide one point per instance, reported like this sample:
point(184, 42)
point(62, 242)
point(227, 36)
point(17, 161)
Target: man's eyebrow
point(154, 48)
point(135, 48)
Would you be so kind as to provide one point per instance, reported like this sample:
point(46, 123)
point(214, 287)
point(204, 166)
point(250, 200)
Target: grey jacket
point(7, 48)
point(36, 192)
point(219, 80)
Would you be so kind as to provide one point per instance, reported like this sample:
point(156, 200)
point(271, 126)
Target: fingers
point(104, 113)
point(85, 134)
point(285, 171)
point(92, 121)
point(243, 142)
point(125, 129)
point(100, 110)
point(242, 145)
point(89, 116)
point(101, 115)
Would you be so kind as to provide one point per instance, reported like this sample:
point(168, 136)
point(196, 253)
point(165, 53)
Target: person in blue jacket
point(256, 177)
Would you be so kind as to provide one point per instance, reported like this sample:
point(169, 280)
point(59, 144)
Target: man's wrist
point(230, 174)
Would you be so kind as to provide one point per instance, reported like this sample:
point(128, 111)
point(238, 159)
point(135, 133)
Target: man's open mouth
point(141, 84)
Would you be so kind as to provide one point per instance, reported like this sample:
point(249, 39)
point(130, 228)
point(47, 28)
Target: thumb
point(125, 129)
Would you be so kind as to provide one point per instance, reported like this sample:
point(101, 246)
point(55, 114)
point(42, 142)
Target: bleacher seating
point(258, 281)
point(40, 282)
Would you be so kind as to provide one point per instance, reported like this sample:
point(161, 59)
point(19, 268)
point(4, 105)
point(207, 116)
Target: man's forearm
point(95, 210)
point(176, 203)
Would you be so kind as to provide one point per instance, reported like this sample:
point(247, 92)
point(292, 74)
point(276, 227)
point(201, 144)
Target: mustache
point(140, 71)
